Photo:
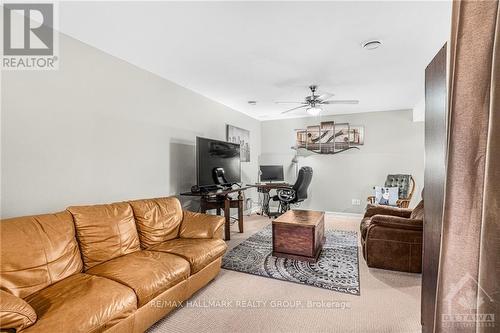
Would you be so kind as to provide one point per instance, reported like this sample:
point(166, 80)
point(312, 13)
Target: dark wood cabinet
point(436, 138)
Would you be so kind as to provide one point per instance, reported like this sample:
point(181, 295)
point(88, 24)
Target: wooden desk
point(265, 188)
point(219, 200)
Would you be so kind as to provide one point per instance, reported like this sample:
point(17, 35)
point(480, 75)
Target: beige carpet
point(239, 302)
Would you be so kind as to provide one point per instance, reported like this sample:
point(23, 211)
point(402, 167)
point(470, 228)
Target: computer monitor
point(269, 173)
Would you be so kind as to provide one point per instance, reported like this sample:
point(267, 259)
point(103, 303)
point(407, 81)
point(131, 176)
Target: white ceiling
point(233, 52)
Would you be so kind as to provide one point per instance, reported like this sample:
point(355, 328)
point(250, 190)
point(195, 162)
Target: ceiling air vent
point(372, 44)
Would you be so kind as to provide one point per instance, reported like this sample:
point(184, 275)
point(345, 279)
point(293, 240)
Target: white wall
point(100, 130)
point(393, 144)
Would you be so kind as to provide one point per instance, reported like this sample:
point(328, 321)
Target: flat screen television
point(212, 154)
point(269, 173)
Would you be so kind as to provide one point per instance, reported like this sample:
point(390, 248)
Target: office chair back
point(302, 183)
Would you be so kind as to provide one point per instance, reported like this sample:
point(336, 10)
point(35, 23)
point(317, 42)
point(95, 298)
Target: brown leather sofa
point(105, 268)
point(392, 237)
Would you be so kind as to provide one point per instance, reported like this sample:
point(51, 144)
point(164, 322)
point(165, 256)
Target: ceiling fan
point(313, 103)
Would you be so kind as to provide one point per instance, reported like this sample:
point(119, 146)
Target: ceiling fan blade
point(290, 102)
point(298, 107)
point(347, 101)
point(324, 96)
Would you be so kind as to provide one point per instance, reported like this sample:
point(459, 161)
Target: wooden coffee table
point(299, 234)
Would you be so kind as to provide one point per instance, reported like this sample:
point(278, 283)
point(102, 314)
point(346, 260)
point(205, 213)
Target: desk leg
point(227, 216)
point(262, 197)
point(240, 211)
point(265, 203)
point(203, 205)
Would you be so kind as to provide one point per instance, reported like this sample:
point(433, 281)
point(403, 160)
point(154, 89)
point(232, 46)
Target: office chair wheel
point(283, 208)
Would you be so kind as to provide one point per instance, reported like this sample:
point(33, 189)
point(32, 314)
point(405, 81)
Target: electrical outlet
point(356, 202)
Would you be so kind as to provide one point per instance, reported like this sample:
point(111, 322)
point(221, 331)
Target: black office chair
point(295, 194)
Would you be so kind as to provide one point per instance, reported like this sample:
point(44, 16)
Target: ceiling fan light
point(314, 110)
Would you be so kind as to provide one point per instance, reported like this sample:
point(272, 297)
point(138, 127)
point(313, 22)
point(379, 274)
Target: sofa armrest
point(15, 313)
point(198, 225)
point(372, 210)
point(397, 222)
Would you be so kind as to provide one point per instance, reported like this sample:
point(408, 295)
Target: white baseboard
point(254, 210)
point(345, 214)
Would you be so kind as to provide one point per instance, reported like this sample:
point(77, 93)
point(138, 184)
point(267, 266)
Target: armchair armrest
point(403, 203)
point(397, 222)
point(372, 210)
point(198, 225)
point(15, 313)
point(371, 199)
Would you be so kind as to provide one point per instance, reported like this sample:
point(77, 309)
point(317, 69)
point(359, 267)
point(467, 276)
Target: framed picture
point(242, 136)
point(341, 136)
point(357, 135)
point(301, 138)
point(327, 137)
point(327, 130)
point(313, 137)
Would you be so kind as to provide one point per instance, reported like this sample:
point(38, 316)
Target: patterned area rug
point(337, 268)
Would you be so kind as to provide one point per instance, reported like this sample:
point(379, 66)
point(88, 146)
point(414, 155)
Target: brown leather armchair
point(392, 237)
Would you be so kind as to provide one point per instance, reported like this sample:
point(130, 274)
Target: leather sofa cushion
point(157, 219)
point(105, 232)
point(37, 251)
point(15, 313)
point(147, 273)
point(81, 303)
point(418, 211)
point(365, 223)
point(394, 255)
point(396, 222)
point(372, 210)
point(198, 225)
point(199, 252)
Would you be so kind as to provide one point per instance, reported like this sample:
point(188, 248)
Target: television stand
point(221, 200)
